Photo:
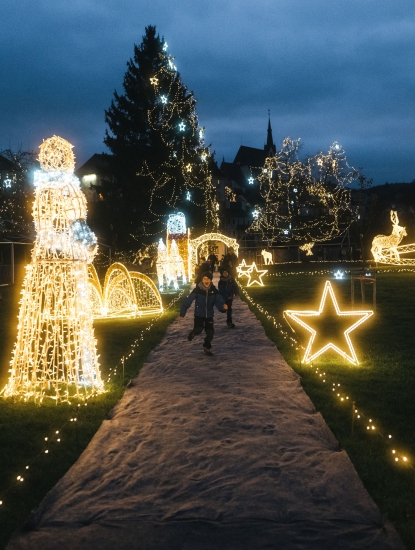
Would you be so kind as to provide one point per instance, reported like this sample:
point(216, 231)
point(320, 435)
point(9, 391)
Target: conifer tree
point(159, 163)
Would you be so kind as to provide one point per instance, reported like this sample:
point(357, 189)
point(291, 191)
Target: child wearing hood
point(206, 296)
point(228, 288)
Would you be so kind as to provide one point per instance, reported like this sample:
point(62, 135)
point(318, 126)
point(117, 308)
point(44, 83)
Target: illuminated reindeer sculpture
point(267, 257)
point(385, 247)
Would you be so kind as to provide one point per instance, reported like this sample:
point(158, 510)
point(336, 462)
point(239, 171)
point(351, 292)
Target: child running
point(228, 288)
point(206, 295)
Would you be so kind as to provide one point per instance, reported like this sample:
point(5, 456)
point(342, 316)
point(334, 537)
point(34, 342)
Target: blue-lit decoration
point(176, 224)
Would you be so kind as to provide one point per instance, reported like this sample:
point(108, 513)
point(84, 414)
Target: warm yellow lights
point(242, 269)
point(169, 265)
point(307, 248)
point(195, 244)
point(56, 155)
point(55, 352)
point(267, 257)
point(255, 275)
point(328, 321)
point(385, 248)
point(125, 293)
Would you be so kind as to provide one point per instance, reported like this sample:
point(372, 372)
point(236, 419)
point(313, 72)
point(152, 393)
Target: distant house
point(91, 175)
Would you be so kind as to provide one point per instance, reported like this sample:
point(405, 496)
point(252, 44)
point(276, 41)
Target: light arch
point(194, 244)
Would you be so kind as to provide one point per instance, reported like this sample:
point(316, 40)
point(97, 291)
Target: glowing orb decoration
point(327, 326)
point(124, 294)
point(176, 223)
point(339, 274)
point(385, 248)
point(255, 275)
point(267, 257)
point(306, 248)
point(55, 352)
point(56, 155)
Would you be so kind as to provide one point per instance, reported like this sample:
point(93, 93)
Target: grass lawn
point(24, 426)
point(382, 385)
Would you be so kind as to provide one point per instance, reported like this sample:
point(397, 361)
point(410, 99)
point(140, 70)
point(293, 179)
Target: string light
point(325, 311)
point(401, 458)
point(170, 265)
point(255, 275)
point(304, 201)
point(55, 352)
point(385, 248)
point(194, 244)
point(267, 257)
point(125, 293)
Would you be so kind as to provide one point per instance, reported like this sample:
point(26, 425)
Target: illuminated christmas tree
point(305, 202)
point(159, 160)
point(55, 352)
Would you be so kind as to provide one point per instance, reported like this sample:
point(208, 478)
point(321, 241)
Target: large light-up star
point(339, 274)
point(255, 275)
point(329, 321)
point(251, 180)
point(154, 81)
point(242, 269)
point(182, 127)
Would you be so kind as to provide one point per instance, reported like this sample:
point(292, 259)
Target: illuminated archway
point(124, 294)
point(194, 245)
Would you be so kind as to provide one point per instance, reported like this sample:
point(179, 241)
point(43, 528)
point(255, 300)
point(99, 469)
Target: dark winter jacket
point(204, 301)
point(228, 288)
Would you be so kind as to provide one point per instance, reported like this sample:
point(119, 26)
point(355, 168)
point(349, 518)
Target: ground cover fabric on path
point(223, 452)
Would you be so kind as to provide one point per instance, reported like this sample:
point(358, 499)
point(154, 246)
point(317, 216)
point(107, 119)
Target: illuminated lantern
point(55, 353)
point(329, 321)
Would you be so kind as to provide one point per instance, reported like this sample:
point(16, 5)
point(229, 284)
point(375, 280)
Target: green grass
point(382, 385)
point(24, 426)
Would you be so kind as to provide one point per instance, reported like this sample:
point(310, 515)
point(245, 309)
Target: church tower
point(269, 147)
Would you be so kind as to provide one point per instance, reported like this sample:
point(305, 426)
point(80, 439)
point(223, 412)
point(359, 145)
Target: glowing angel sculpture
point(55, 353)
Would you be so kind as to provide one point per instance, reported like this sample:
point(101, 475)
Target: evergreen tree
point(305, 202)
point(159, 162)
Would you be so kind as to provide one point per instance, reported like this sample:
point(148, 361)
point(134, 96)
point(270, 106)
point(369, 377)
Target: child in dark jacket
point(206, 296)
point(228, 288)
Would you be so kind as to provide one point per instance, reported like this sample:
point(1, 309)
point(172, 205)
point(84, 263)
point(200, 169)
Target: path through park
point(223, 452)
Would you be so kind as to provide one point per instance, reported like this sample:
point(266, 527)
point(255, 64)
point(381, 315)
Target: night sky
point(326, 70)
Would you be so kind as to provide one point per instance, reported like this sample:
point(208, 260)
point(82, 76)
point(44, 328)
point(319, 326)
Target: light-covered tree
point(304, 201)
point(159, 161)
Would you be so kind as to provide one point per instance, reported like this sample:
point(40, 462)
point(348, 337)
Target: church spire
point(269, 148)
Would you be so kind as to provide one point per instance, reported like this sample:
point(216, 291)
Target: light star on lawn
point(328, 321)
point(255, 275)
point(242, 269)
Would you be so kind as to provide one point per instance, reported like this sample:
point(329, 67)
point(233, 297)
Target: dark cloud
point(326, 70)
